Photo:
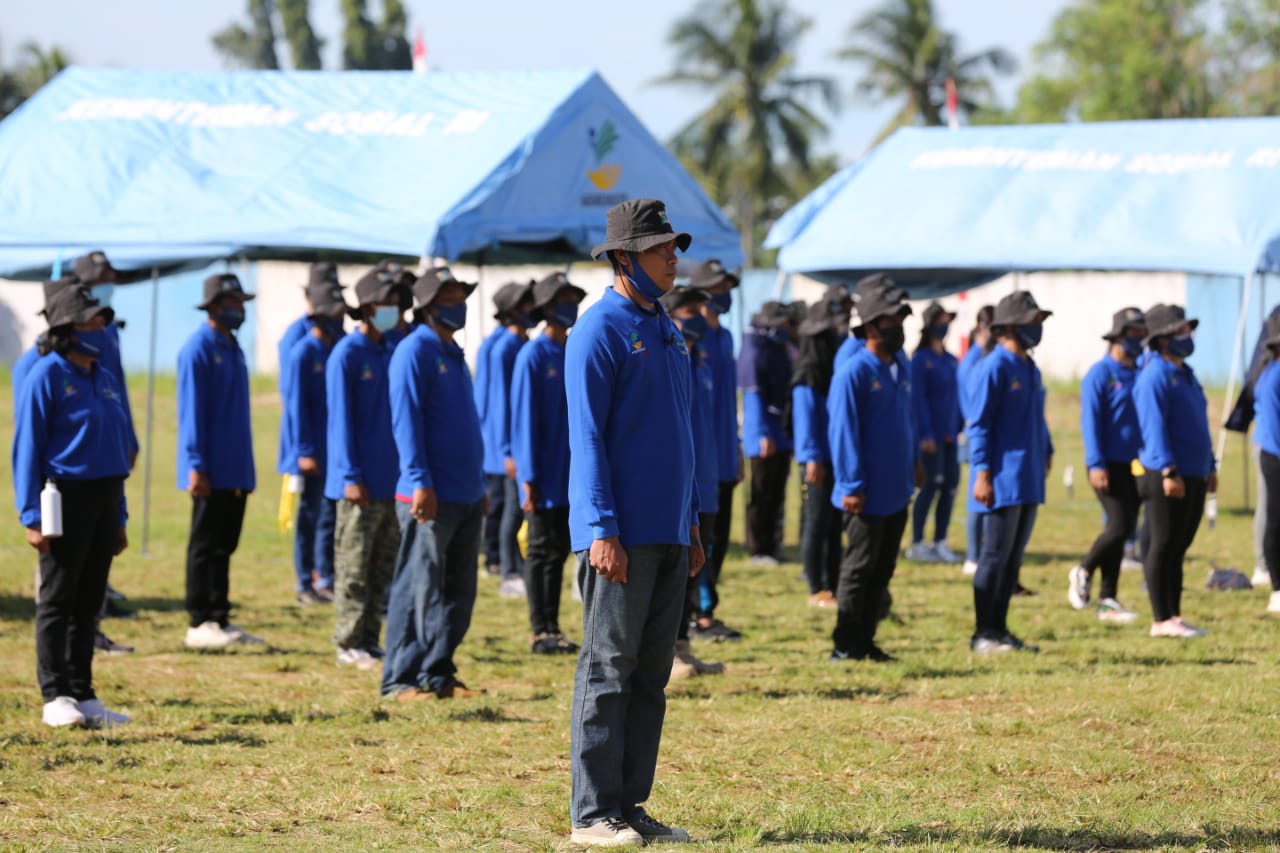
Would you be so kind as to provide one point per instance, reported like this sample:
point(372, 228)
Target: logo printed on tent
point(605, 175)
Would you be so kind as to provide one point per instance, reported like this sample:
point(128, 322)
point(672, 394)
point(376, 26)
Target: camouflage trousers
point(366, 539)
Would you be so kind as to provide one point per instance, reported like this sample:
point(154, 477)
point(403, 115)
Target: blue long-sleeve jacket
point(764, 375)
point(361, 448)
point(935, 391)
point(964, 380)
point(287, 455)
point(871, 433)
point(1008, 435)
point(21, 369)
point(215, 436)
point(849, 347)
point(718, 344)
point(434, 416)
point(493, 398)
point(703, 422)
point(70, 424)
point(306, 402)
point(1174, 416)
point(1266, 409)
point(809, 424)
point(631, 470)
point(1108, 417)
point(540, 421)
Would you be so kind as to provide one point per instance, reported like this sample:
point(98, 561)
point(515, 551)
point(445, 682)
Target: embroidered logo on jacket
point(68, 389)
point(441, 367)
point(637, 345)
point(366, 373)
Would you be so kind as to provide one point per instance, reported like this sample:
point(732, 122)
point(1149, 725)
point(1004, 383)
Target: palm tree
point(759, 130)
point(908, 55)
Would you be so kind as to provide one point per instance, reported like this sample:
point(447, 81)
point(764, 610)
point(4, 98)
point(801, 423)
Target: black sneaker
point(114, 594)
point(841, 656)
point(545, 644)
point(656, 832)
point(1024, 592)
point(107, 646)
point(716, 632)
point(1018, 645)
point(879, 655)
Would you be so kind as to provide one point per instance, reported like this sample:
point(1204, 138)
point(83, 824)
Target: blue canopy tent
point(164, 168)
point(943, 211)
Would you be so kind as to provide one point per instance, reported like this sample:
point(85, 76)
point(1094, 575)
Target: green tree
point(759, 131)
point(361, 47)
point(254, 47)
point(304, 46)
point(40, 65)
point(1124, 59)
point(1250, 51)
point(397, 55)
point(908, 56)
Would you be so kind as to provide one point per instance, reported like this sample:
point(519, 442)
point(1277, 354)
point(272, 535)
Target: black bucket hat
point(373, 288)
point(54, 287)
point(320, 277)
point(546, 290)
point(427, 288)
point(1018, 309)
point(91, 268)
point(73, 304)
point(636, 225)
point(871, 283)
point(1164, 320)
point(933, 311)
point(823, 316)
point(712, 273)
point(678, 297)
point(1123, 319)
point(222, 284)
point(327, 302)
point(509, 297)
point(882, 301)
point(772, 315)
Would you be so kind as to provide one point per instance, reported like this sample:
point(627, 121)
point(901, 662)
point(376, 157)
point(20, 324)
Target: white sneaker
point(96, 715)
point(1130, 564)
point(1176, 628)
point(243, 636)
point(63, 711)
point(1273, 606)
point(945, 554)
point(210, 635)
point(1078, 592)
point(922, 552)
point(768, 561)
point(970, 568)
point(1111, 610)
point(359, 658)
point(1261, 577)
point(512, 587)
point(610, 832)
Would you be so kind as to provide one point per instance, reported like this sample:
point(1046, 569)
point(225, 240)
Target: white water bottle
point(1211, 511)
point(50, 511)
point(1069, 480)
point(295, 484)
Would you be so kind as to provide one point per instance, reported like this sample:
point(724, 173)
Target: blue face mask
point(231, 318)
point(1182, 347)
point(563, 314)
point(1030, 334)
point(103, 293)
point(1132, 347)
point(939, 332)
point(452, 317)
point(721, 302)
point(385, 317)
point(92, 343)
point(694, 328)
point(523, 319)
point(640, 280)
point(331, 326)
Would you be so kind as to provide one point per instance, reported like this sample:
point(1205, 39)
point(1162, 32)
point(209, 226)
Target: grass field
point(1106, 740)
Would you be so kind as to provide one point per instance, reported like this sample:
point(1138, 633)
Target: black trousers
point(1271, 537)
point(216, 520)
point(1120, 503)
point(764, 505)
point(548, 547)
point(724, 522)
point(1174, 522)
point(708, 524)
point(870, 556)
point(820, 531)
point(72, 582)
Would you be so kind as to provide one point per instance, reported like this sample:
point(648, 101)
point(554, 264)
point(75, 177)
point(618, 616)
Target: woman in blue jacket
point(72, 430)
point(1266, 407)
point(935, 399)
point(1177, 455)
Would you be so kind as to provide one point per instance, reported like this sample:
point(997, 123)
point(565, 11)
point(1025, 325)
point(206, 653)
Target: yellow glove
point(288, 505)
point(1136, 467)
point(522, 538)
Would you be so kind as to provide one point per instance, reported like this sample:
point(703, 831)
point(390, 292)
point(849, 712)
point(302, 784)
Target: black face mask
point(893, 339)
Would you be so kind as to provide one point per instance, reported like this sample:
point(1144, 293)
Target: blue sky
point(625, 41)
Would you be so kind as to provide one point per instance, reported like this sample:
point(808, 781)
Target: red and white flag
point(953, 104)
point(419, 52)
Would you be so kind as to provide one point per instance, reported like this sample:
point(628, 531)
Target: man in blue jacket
point(215, 459)
point(764, 375)
point(874, 462)
point(540, 447)
point(361, 471)
point(1009, 457)
point(439, 497)
point(633, 524)
point(494, 367)
point(304, 423)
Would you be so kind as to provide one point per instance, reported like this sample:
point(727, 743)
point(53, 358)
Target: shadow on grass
point(17, 607)
point(836, 693)
point(486, 715)
point(222, 738)
point(1157, 661)
point(155, 605)
point(1042, 837)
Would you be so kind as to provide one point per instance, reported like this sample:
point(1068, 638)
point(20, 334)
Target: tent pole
point(1236, 352)
point(151, 399)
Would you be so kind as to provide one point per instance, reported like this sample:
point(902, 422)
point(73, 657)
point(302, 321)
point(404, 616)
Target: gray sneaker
point(610, 832)
point(989, 646)
point(656, 832)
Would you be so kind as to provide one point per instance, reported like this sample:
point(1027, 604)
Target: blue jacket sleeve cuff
point(30, 518)
point(604, 529)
